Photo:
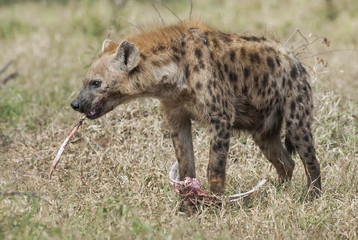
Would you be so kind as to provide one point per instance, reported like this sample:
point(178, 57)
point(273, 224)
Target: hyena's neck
point(159, 75)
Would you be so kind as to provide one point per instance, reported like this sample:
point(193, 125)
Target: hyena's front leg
point(219, 147)
point(183, 144)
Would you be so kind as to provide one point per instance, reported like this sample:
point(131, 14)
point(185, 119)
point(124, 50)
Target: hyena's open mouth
point(96, 111)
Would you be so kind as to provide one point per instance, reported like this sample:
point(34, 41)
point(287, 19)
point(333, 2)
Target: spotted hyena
point(227, 81)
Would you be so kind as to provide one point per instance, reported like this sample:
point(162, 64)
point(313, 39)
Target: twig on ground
point(28, 194)
point(12, 75)
point(6, 66)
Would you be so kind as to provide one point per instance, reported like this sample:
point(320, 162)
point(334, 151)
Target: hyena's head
point(104, 86)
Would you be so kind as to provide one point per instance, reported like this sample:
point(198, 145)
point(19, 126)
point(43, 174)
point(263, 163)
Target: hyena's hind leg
point(300, 139)
point(271, 146)
point(299, 136)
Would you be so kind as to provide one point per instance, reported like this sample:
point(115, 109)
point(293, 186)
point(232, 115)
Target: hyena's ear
point(127, 56)
point(108, 43)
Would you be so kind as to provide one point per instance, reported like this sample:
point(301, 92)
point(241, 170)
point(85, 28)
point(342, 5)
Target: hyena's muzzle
point(89, 103)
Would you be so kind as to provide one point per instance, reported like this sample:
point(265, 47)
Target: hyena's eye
point(95, 83)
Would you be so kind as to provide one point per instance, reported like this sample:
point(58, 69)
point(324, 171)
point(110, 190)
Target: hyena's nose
point(75, 105)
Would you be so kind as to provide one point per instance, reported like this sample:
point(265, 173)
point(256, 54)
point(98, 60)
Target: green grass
point(112, 179)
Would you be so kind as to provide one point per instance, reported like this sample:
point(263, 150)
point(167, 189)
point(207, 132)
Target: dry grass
point(112, 181)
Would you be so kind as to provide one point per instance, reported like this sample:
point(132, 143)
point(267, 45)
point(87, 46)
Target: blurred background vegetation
point(52, 42)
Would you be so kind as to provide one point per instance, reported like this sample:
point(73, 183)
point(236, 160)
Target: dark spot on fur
point(160, 48)
point(309, 149)
point(232, 77)
point(215, 121)
point(218, 146)
point(265, 80)
point(202, 65)
point(183, 43)
point(226, 143)
point(225, 105)
point(226, 68)
point(244, 89)
point(299, 98)
point(213, 108)
point(292, 116)
point(253, 38)
point(175, 49)
point(301, 68)
point(289, 146)
point(225, 37)
point(211, 55)
point(198, 85)
point(176, 58)
point(254, 57)
point(243, 52)
point(289, 83)
point(278, 62)
point(277, 94)
point(271, 101)
point(306, 138)
point(134, 71)
point(246, 72)
point(232, 55)
point(270, 63)
point(187, 72)
point(196, 68)
point(154, 50)
point(293, 73)
point(221, 163)
point(221, 75)
point(143, 57)
point(218, 64)
point(213, 99)
point(215, 42)
point(288, 123)
point(300, 123)
point(283, 82)
point(198, 53)
point(297, 116)
point(256, 79)
point(297, 138)
point(218, 97)
point(156, 63)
